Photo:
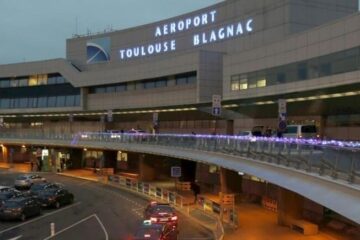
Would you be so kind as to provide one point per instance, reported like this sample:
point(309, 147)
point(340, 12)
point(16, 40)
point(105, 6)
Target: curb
point(79, 177)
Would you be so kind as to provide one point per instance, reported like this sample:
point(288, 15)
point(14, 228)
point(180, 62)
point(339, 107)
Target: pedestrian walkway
point(17, 167)
point(255, 222)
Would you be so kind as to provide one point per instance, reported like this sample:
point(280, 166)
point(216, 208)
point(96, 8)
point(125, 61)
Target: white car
point(26, 180)
point(245, 134)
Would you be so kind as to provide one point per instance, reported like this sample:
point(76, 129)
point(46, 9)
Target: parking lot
point(98, 212)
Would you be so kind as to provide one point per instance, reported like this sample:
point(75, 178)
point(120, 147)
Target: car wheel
point(71, 200)
point(23, 217)
point(57, 205)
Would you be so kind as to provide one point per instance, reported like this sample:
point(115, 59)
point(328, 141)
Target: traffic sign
point(176, 171)
point(216, 101)
point(282, 125)
point(216, 111)
point(282, 106)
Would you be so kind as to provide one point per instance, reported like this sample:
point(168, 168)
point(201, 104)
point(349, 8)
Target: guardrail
point(337, 159)
point(160, 194)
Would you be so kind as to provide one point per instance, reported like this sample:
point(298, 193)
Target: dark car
point(35, 189)
point(20, 208)
point(161, 213)
point(6, 195)
point(155, 231)
point(55, 197)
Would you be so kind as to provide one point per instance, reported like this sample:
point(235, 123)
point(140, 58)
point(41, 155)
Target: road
point(98, 212)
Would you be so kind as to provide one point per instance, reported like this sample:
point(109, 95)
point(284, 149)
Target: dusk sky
point(33, 30)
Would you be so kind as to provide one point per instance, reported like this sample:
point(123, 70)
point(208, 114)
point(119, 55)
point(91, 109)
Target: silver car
point(25, 181)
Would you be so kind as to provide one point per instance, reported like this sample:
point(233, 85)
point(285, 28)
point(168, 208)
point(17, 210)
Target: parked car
point(258, 131)
point(136, 131)
point(245, 134)
point(38, 187)
point(25, 181)
point(20, 208)
point(161, 213)
point(155, 231)
point(8, 193)
point(55, 197)
point(300, 131)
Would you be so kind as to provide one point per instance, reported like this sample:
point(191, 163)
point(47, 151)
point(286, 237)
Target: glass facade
point(180, 79)
point(33, 80)
point(40, 102)
point(327, 65)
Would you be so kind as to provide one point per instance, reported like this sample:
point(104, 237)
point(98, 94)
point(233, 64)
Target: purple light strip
point(351, 145)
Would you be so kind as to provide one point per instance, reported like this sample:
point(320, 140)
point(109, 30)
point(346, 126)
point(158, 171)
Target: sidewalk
point(255, 222)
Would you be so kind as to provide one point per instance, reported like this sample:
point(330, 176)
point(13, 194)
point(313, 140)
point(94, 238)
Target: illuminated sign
point(213, 35)
point(98, 50)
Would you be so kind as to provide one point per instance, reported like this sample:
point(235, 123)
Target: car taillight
point(174, 218)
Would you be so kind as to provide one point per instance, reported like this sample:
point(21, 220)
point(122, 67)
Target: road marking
point(41, 217)
point(15, 238)
point(77, 223)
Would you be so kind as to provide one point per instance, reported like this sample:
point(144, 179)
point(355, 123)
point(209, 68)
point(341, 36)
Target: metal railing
point(336, 159)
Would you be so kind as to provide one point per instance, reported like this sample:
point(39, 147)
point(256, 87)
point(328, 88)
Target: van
point(300, 131)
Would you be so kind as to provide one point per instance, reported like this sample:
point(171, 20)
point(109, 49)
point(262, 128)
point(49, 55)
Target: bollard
point(52, 229)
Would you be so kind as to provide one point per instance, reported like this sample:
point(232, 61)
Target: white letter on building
point(172, 27)
point(221, 33)
point(150, 49)
point(158, 47)
point(204, 40)
point(188, 23)
point(249, 27)
point(230, 31)
point(239, 29)
point(196, 21)
point(165, 29)
point(136, 51)
point(204, 20)
point(212, 13)
point(157, 32)
point(173, 45)
point(196, 40)
point(122, 54)
point(128, 53)
point(166, 48)
point(180, 25)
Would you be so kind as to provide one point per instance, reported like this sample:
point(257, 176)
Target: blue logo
point(98, 50)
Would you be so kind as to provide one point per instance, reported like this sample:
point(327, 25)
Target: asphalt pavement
point(98, 212)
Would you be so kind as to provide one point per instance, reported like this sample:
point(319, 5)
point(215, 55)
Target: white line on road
point(77, 223)
point(41, 217)
point(15, 238)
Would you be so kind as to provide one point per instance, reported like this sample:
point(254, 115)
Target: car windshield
point(162, 208)
point(308, 129)
point(21, 178)
point(11, 204)
point(37, 187)
point(244, 133)
point(291, 129)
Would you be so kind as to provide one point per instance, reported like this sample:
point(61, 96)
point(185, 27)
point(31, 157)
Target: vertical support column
point(229, 127)
point(5, 153)
point(223, 182)
point(146, 171)
point(290, 206)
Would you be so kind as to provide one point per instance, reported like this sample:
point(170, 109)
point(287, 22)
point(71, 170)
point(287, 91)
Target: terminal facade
point(162, 77)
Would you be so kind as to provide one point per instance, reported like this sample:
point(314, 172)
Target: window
point(261, 83)
point(69, 102)
point(325, 69)
point(77, 100)
point(52, 101)
point(33, 80)
point(281, 77)
point(161, 83)
point(100, 90)
point(42, 79)
point(110, 89)
point(302, 71)
point(5, 103)
point(120, 88)
point(23, 103)
point(181, 81)
point(243, 84)
point(51, 80)
point(139, 85)
point(60, 80)
point(235, 85)
point(23, 82)
point(148, 85)
point(14, 83)
point(42, 102)
point(32, 102)
point(5, 83)
point(60, 101)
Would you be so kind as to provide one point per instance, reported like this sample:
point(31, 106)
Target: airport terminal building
point(164, 74)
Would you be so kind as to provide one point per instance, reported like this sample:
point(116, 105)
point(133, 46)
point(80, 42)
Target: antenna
point(76, 25)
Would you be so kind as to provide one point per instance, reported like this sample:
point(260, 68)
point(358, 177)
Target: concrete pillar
point(229, 127)
point(146, 171)
point(223, 182)
point(5, 153)
point(290, 206)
